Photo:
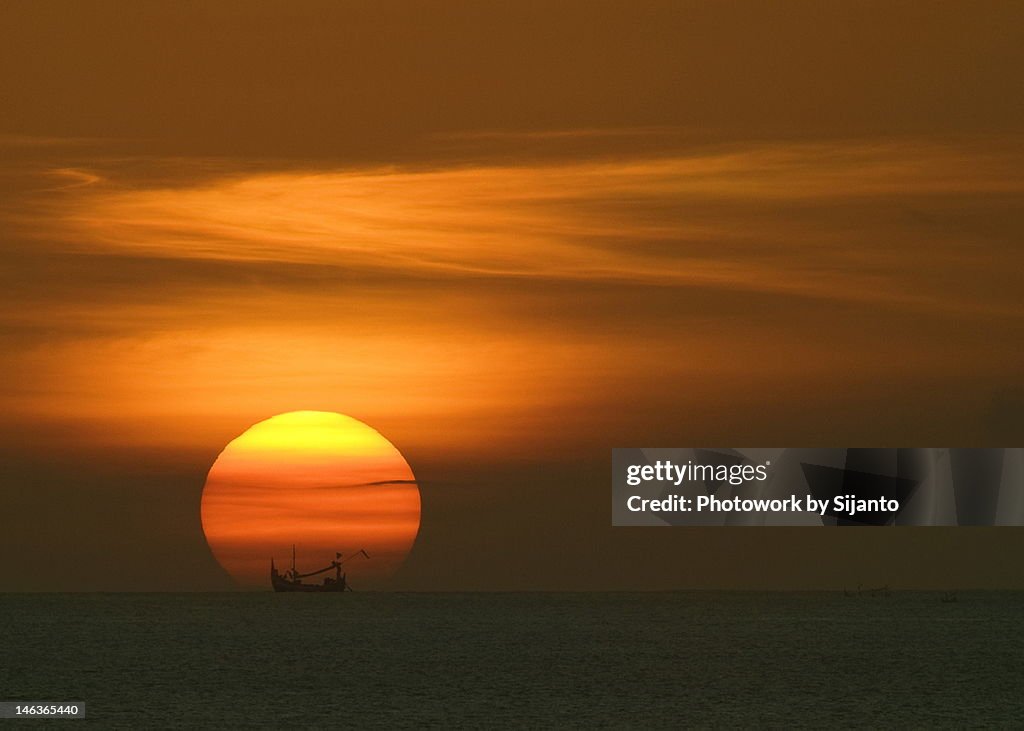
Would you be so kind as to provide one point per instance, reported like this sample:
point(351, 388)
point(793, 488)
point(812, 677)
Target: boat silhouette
point(878, 591)
point(291, 579)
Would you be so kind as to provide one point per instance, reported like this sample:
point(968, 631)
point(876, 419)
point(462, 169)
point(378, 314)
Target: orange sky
point(422, 296)
point(509, 238)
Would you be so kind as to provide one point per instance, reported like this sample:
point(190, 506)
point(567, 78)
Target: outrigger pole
point(361, 550)
point(335, 564)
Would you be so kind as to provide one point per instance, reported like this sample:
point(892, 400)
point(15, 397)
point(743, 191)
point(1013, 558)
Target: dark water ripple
point(535, 660)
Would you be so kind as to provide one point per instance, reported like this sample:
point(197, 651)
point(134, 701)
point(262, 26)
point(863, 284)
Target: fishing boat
point(291, 579)
point(878, 591)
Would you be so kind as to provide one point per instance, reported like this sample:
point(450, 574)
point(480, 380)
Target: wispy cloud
point(545, 294)
point(825, 220)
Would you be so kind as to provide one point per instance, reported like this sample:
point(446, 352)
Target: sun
point(322, 481)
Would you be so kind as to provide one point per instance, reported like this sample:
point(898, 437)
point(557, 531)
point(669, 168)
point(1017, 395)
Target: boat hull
point(330, 585)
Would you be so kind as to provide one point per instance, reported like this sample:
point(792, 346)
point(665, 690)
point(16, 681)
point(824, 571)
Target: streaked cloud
point(767, 219)
point(505, 304)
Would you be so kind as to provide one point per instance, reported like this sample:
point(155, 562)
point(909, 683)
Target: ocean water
point(538, 660)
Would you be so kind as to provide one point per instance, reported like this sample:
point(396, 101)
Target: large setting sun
point(321, 481)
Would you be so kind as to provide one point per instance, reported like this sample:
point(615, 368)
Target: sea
point(535, 660)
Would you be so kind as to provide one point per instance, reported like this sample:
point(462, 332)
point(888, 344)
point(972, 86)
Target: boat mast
point(293, 561)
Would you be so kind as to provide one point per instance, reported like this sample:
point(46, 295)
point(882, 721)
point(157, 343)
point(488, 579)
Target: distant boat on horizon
point(874, 592)
point(291, 580)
